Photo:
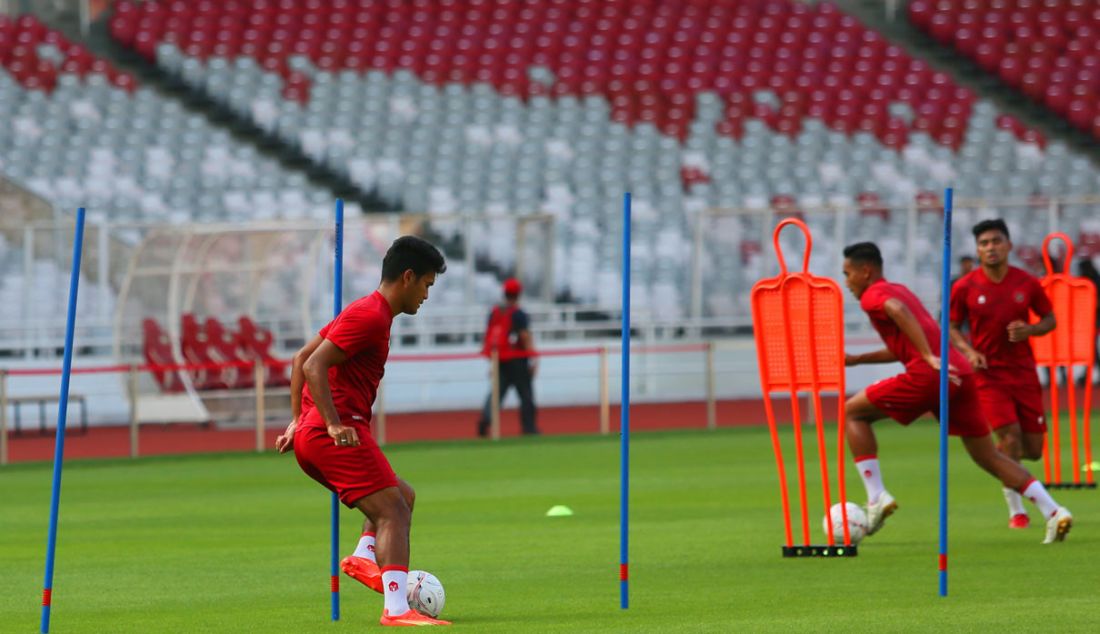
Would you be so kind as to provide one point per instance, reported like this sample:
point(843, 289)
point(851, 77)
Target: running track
point(110, 442)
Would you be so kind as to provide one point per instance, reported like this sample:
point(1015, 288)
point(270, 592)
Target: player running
point(994, 301)
point(908, 330)
point(332, 388)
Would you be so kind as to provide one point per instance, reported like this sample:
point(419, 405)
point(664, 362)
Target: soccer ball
point(426, 594)
point(857, 523)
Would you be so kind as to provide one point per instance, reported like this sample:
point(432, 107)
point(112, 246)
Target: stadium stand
point(100, 140)
point(1047, 50)
point(459, 105)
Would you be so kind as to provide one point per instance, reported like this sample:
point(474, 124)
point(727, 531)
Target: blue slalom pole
point(337, 306)
point(945, 349)
point(62, 410)
point(624, 418)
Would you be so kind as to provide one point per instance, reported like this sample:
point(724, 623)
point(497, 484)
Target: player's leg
point(859, 414)
point(1015, 476)
point(1033, 445)
point(526, 397)
point(391, 515)
point(362, 565)
point(1010, 442)
point(486, 413)
point(391, 518)
point(1014, 408)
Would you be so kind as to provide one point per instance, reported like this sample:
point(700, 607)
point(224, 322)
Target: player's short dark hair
point(865, 252)
point(966, 258)
point(411, 252)
point(996, 224)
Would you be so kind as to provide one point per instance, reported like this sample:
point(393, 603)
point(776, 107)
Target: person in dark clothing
point(507, 333)
point(966, 265)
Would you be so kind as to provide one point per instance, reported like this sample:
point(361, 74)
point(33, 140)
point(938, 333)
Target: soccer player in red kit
point(995, 300)
point(333, 385)
point(908, 332)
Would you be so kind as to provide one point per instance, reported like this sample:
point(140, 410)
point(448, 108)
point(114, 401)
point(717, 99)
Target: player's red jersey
point(362, 331)
point(988, 307)
point(873, 303)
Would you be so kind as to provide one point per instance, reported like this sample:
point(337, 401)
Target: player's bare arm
point(285, 442)
point(315, 370)
point(1020, 331)
point(878, 356)
point(960, 342)
point(909, 326)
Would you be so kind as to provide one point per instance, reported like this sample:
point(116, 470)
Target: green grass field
point(239, 543)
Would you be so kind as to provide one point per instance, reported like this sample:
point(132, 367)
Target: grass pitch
point(239, 543)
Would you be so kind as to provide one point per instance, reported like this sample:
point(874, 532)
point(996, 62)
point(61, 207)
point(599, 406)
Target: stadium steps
point(966, 72)
point(243, 130)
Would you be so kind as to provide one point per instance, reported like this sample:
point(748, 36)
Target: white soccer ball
point(857, 523)
point(426, 594)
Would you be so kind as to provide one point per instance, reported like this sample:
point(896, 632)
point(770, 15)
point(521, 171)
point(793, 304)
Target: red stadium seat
point(225, 348)
point(1039, 48)
point(256, 343)
point(198, 351)
point(678, 47)
point(157, 350)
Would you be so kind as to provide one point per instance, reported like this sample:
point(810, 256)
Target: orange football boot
point(410, 618)
point(364, 571)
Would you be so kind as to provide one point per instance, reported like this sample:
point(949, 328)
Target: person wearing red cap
point(507, 333)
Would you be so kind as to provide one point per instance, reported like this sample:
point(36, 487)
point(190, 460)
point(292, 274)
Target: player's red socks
point(394, 582)
point(1037, 493)
point(872, 476)
point(365, 549)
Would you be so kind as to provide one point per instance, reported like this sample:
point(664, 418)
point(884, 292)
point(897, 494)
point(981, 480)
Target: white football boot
point(1058, 525)
point(879, 510)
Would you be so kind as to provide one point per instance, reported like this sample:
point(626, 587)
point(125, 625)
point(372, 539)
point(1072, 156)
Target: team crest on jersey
point(981, 299)
point(1019, 297)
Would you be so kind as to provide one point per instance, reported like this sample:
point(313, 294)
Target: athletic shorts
point(1010, 397)
point(352, 473)
point(911, 394)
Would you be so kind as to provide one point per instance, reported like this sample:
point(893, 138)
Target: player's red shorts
point(911, 394)
point(1012, 396)
point(352, 473)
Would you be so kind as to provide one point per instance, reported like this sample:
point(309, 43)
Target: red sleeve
point(1040, 303)
point(355, 330)
point(958, 301)
point(872, 301)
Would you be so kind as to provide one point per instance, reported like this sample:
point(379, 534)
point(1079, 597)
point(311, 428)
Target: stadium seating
point(101, 141)
point(1046, 49)
point(210, 343)
point(559, 106)
point(254, 343)
point(157, 349)
point(35, 299)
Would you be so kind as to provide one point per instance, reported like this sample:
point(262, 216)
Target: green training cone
point(559, 511)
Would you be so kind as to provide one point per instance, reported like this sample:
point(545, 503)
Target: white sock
point(365, 549)
point(1015, 502)
point(1037, 493)
point(872, 476)
point(394, 582)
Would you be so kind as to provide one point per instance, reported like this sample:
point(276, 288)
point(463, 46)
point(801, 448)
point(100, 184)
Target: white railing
point(718, 267)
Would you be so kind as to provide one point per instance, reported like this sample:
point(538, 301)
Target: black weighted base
point(820, 551)
point(1070, 485)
